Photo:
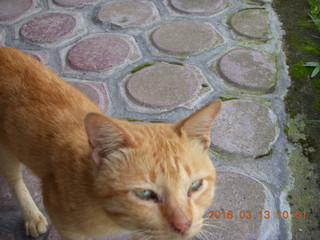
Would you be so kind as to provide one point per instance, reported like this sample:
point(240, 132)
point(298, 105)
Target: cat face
point(154, 179)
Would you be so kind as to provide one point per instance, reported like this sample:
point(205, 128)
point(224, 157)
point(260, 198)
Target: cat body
point(100, 176)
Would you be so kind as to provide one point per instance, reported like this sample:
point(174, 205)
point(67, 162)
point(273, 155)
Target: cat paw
point(36, 226)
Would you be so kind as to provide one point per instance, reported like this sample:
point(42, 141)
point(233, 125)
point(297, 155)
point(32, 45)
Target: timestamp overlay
point(252, 215)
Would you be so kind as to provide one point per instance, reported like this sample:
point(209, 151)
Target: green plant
point(315, 16)
point(316, 66)
point(315, 12)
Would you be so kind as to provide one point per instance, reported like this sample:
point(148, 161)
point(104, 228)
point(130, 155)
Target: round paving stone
point(48, 28)
point(163, 85)
point(72, 3)
point(251, 23)
point(244, 127)
point(99, 53)
point(128, 13)
point(200, 7)
point(184, 38)
point(13, 9)
point(248, 69)
point(238, 208)
point(95, 91)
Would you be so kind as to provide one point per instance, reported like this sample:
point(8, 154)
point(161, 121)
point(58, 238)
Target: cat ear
point(105, 136)
point(198, 125)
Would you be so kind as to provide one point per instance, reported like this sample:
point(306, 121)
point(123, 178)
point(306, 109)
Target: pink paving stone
point(128, 13)
point(96, 91)
point(245, 128)
point(251, 23)
point(184, 38)
point(48, 28)
point(73, 3)
point(200, 7)
point(13, 9)
point(163, 85)
point(99, 53)
point(248, 69)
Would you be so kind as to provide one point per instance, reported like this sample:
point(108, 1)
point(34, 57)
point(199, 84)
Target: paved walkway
point(160, 61)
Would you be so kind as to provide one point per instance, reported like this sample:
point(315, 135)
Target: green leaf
point(315, 71)
point(312, 64)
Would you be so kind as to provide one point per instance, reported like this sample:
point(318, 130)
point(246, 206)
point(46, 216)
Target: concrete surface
point(199, 51)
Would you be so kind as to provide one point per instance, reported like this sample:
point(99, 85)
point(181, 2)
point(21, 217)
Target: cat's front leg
point(35, 224)
point(11, 168)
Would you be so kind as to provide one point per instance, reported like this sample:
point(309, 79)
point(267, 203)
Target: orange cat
point(100, 176)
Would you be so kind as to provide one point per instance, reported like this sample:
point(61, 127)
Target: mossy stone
point(298, 70)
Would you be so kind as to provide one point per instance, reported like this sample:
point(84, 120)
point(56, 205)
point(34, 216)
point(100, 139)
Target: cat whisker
point(202, 236)
point(208, 220)
point(213, 227)
point(206, 233)
point(146, 237)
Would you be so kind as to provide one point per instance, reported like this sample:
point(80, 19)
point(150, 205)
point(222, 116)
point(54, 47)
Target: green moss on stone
point(303, 197)
point(136, 69)
point(298, 70)
point(286, 130)
point(295, 128)
point(133, 120)
point(205, 85)
point(312, 48)
point(316, 84)
point(177, 63)
point(227, 99)
point(123, 20)
point(305, 23)
point(295, 40)
point(316, 106)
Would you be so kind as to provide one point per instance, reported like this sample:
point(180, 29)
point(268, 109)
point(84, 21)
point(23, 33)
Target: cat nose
point(181, 227)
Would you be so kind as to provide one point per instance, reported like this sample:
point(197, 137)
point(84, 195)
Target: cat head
point(154, 179)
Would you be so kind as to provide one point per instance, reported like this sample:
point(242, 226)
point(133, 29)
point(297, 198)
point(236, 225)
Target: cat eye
point(195, 186)
point(147, 195)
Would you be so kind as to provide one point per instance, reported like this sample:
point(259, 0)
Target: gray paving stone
point(6, 236)
point(74, 3)
point(248, 69)
point(245, 128)
point(185, 38)
point(248, 202)
point(11, 10)
point(200, 7)
point(39, 55)
point(128, 13)
point(163, 85)
point(251, 23)
point(50, 28)
point(102, 52)
point(2, 37)
point(96, 91)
